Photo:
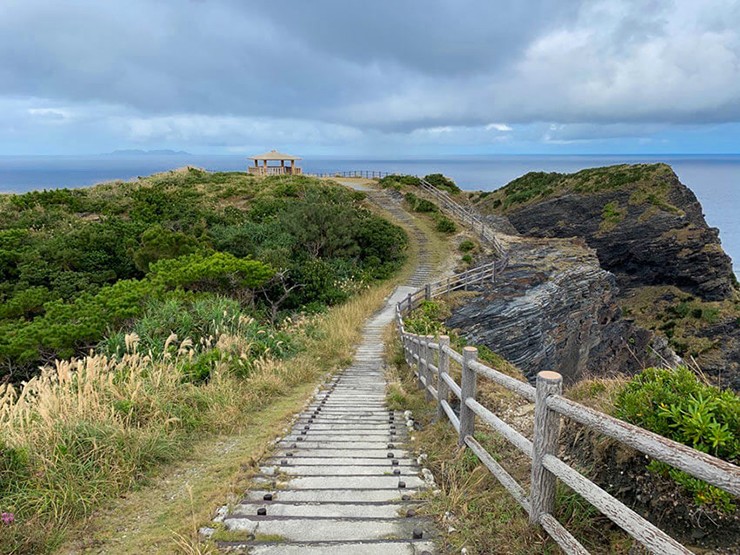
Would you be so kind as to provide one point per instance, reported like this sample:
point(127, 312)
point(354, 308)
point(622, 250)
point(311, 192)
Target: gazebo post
point(264, 168)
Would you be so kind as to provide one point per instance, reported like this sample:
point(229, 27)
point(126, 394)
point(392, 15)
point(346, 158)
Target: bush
point(445, 225)
point(466, 246)
point(675, 404)
point(441, 182)
point(217, 272)
point(398, 181)
point(426, 320)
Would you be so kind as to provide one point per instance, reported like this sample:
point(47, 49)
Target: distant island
point(139, 152)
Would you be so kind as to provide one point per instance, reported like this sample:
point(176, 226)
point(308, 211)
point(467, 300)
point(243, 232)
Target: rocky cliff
point(646, 226)
point(555, 308)
point(615, 269)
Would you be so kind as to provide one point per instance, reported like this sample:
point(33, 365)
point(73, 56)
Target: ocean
point(715, 179)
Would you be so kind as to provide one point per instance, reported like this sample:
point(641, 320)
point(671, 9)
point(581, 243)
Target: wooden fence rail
point(367, 174)
point(432, 356)
point(467, 215)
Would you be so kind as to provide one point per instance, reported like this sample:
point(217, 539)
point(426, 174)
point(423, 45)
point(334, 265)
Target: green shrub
point(217, 272)
point(675, 404)
point(439, 181)
point(466, 246)
point(426, 319)
point(445, 225)
point(395, 181)
point(467, 258)
point(420, 204)
point(199, 369)
point(157, 243)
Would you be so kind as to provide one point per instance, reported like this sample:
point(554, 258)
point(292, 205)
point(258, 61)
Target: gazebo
point(274, 156)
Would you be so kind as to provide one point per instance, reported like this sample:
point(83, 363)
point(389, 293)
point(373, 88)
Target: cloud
point(223, 71)
point(498, 127)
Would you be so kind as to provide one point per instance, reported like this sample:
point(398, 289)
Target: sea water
point(715, 179)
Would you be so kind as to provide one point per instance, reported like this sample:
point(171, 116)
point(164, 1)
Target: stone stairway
point(342, 481)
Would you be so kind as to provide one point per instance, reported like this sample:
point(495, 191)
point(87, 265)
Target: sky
point(387, 77)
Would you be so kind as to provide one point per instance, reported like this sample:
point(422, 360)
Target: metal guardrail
point(432, 356)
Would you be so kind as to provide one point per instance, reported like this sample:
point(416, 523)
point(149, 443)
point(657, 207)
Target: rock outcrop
point(671, 279)
point(555, 308)
point(646, 226)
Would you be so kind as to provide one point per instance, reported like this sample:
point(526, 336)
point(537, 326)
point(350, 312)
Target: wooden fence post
point(428, 292)
point(443, 390)
point(427, 367)
point(545, 442)
point(406, 353)
point(493, 273)
point(408, 302)
point(467, 387)
point(419, 353)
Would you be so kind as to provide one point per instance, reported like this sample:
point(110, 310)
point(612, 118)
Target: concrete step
point(339, 461)
point(373, 454)
point(354, 470)
point(383, 547)
point(353, 482)
point(356, 495)
point(327, 529)
point(301, 443)
point(325, 510)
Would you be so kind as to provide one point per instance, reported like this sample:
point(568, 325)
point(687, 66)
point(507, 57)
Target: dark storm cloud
point(262, 58)
point(175, 69)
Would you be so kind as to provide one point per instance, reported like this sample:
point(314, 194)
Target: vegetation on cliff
point(536, 186)
point(675, 403)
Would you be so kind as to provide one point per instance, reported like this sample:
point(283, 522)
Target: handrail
point(549, 406)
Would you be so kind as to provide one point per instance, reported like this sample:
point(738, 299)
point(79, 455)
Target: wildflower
point(7, 518)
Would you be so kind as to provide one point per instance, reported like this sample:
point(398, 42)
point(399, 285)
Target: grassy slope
point(645, 179)
point(163, 516)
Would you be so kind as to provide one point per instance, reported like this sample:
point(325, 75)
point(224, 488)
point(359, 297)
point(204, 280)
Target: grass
point(219, 464)
point(154, 509)
point(648, 182)
point(472, 509)
point(683, 319)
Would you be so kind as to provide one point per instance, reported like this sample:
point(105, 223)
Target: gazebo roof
point(274, 155)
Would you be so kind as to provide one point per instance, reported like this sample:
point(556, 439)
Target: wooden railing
point(432, 356)
point(467, 215)
point(367, 174)
point(274, 170)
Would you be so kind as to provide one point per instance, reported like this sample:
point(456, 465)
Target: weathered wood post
point(428, 292)
point(417, 357)
point(408, 302)
point(443, 390)
point(405, 343)
point(545, 442)
point(428, 355)
point(467, 387)
point(493, 273)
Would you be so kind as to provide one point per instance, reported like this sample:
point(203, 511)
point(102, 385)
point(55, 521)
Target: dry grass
point(471, 507)
point(88, 430)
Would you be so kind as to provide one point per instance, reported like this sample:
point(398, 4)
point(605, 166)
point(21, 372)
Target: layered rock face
point(654, 282)
point(554, 308)
point(647, 231)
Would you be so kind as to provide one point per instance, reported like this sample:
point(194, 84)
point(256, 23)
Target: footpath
point(343, 479)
